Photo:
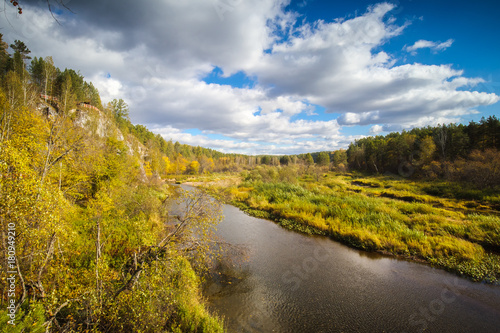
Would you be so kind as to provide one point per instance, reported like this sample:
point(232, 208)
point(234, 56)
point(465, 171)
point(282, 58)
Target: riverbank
point(381, 214)
point(271, 279)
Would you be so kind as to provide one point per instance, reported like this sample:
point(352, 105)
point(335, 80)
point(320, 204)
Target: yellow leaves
point(167, 164)
point(427, 149)
point(102, 203)
point(194, 167)
point(147, 169)
point(179, 165)
point(56, 237)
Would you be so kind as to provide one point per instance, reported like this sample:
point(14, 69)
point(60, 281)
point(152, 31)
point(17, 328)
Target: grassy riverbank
point(445, 225)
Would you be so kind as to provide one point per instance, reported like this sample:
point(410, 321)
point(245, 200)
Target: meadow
point(447, 225)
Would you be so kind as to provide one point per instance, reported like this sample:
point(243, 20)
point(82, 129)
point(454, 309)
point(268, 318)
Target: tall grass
point(382, 214)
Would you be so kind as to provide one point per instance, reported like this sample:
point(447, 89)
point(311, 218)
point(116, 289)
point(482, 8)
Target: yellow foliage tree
point(194, 167)
point(147, 169)
point(167, 166)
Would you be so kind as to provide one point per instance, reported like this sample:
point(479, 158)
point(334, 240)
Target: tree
point(265, 160)
point(308, 159)
point(120, 110)
point(36, 71)
point(285, 160)
point(21, 52)
point(323, 159)
point(458, 143)
point(22, 49)
point(441, 139)
point(91, 95)
point(356, 155)
point(194, 168)
point(67, 97)
point(206, 164)
point(4, 56)
point(427, 149)
point(13, 91)
point(195, 226)
point(77, 83)
point(49, 75)
point(167, 166)
point(339, 160)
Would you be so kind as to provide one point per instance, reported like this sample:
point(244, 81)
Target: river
point(289, 282)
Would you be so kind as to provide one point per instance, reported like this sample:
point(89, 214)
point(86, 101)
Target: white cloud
point(238, 113)
point(376, 129)
point(335, 65)
point(434, 46)
point(155, 58)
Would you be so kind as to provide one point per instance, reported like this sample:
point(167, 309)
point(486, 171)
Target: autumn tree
point(323, 159)
point(67, 98)
point(427, 149)
point(49, 75)
point(308, 159)
point(194, 168)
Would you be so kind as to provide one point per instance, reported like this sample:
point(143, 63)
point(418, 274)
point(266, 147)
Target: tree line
point(454, 151)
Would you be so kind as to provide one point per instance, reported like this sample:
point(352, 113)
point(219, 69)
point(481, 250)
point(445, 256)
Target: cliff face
point(99, 124)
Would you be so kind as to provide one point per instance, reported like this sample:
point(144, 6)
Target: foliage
point(96, 249)
point(383, 214)
point(447, 151)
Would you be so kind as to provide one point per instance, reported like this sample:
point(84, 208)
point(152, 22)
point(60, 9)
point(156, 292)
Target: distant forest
point(457, 152)
point(452, 151)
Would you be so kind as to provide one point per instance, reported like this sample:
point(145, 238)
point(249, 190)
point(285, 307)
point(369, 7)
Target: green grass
point(384, 214)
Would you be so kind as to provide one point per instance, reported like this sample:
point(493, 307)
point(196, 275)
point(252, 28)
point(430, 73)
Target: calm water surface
point(288, 282)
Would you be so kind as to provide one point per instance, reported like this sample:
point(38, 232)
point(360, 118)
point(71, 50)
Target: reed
point(383, 214)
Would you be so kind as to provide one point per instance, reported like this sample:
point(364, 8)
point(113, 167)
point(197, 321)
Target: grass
point(387, 215)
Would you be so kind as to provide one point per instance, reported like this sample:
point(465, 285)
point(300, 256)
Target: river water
point(282, 281)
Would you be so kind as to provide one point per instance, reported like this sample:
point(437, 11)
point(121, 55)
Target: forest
point(90, 241)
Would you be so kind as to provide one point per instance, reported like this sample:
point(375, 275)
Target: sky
point(275, 76)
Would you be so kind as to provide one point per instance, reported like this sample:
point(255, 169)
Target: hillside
point(87, 240)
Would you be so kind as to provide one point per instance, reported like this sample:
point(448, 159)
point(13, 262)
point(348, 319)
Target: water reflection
point(287, 282)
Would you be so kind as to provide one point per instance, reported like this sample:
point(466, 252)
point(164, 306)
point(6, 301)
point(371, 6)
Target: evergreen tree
point(309, 159)
point(119, 109)
point(323, 159)
point(22, 49)
point(4, 55)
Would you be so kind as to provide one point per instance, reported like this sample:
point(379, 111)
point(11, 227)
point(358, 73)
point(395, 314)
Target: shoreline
point(350, 241)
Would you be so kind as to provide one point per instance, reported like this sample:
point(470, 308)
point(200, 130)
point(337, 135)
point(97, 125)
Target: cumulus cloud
point(335, 65)
point(434, 46)
point(376, 129)
point(239, 113)
point(155, 56)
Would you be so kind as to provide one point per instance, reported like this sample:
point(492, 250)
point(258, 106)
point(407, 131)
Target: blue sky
point(274, 76)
